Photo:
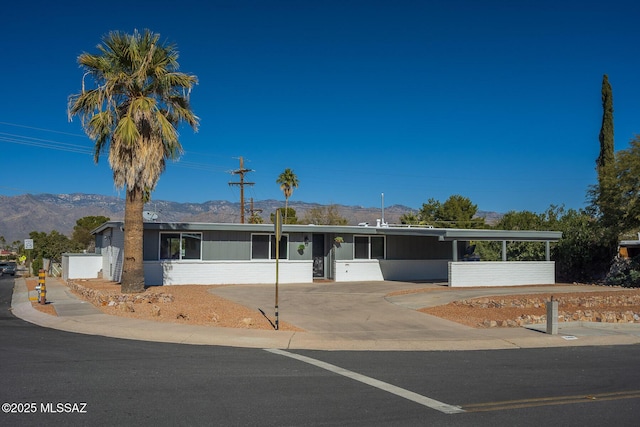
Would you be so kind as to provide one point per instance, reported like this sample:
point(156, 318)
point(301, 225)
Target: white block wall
point(81, 266)
point(358, 270)
point(414, 269)
point(499, 273)
point(226, 272)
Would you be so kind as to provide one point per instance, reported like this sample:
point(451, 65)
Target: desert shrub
point(624, 272)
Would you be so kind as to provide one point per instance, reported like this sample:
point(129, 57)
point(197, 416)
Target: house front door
point(318, 255)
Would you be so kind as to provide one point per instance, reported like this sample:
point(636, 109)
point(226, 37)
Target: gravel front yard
point(193, 304)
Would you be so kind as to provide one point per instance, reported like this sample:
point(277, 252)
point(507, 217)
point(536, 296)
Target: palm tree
point(288, 181)
point(132, 113)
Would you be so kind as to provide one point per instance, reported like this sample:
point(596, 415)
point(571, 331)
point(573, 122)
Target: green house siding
point(236, 246)
point(151, 246)
point(226, 246)
point(297, 239)
point(344, 250)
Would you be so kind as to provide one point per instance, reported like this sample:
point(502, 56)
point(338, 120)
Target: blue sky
point(498, 101)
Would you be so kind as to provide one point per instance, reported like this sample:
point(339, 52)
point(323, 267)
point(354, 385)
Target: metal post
point(277, 267)
point(455, 250)
point(504, 250)
point(552, 316)
point(278, 232)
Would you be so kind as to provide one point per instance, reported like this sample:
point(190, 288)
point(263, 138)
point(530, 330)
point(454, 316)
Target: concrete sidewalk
point(343, 316)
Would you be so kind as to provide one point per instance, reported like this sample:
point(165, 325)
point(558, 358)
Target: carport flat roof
point(444, 234)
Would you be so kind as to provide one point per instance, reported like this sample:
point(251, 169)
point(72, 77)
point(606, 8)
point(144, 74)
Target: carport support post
point(455, 250)
point(552, 316)
point(504, 250)
point(547, 251)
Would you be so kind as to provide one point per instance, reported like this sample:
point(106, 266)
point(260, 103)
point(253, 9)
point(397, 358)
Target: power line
point(83, 149)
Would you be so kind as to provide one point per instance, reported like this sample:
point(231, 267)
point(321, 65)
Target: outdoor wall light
point(306, 240)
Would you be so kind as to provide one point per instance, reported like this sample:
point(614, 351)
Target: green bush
point(36, 265)
point(624, 272)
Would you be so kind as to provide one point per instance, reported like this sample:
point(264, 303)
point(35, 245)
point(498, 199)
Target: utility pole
point(253, 211)
point(241, 171)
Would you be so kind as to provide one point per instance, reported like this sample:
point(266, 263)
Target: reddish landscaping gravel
point(616, 306)
point(193, 304)
point(187, 304)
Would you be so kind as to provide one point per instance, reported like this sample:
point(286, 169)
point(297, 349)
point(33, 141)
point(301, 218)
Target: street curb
point(147, 330)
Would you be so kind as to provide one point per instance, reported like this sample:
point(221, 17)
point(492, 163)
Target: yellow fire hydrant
point(42, 288)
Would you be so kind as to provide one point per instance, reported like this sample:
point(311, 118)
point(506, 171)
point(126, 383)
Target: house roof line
point(443, 234)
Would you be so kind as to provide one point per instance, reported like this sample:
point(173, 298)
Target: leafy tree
point(138, 100)
point(456, 212)
point(50, 246)
point(586, 249)
point(583, 254)
point(626, 189)
point(460, 212)
point(324, 215)
point(430, 211)
point(82, 230)
point(289, 217)
point(288, 181)
point(616, 199)
point(516, 251)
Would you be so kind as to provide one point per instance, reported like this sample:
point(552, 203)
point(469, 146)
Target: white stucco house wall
point(218, 254)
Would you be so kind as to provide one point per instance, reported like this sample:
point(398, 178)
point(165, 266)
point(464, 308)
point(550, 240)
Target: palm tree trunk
point(132, 280)
point(286, 209)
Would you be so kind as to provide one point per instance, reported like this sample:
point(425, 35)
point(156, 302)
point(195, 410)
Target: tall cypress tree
point(606, 196)
point(606, 157)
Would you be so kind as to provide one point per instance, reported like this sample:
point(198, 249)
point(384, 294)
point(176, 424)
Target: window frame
point(181, 237)
point(271, 248)
point(369, 247)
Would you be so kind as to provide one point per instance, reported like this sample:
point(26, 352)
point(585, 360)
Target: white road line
point(409, 395)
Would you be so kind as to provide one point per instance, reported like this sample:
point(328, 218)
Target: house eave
point(443, 234)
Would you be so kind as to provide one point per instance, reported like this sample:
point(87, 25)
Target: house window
point(368, 247)
point(180, 245)
point(263, 246)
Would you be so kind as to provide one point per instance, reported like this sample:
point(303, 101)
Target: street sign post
point(28, 246)
point(277, 223)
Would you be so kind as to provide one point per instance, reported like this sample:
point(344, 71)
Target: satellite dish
point(149, 216)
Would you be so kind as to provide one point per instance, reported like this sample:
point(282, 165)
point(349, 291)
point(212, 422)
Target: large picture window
point(263, 246)
point(180, 246)
point(368, 247)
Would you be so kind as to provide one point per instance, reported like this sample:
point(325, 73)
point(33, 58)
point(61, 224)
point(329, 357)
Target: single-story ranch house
point(207, 253)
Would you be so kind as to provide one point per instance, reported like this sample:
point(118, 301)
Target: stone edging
point(589, 313)
point(125, 302)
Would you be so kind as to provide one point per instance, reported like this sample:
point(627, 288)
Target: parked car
point(8, 268)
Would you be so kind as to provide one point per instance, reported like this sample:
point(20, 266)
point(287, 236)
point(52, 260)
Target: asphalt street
point(125, 382)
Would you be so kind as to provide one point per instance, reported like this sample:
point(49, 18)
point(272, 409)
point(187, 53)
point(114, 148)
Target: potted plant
point(338, 240)
point(301, 249)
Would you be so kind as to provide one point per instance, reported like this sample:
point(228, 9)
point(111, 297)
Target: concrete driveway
point(356, 310)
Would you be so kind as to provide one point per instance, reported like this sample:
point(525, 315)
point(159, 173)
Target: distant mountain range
point(19, 215)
